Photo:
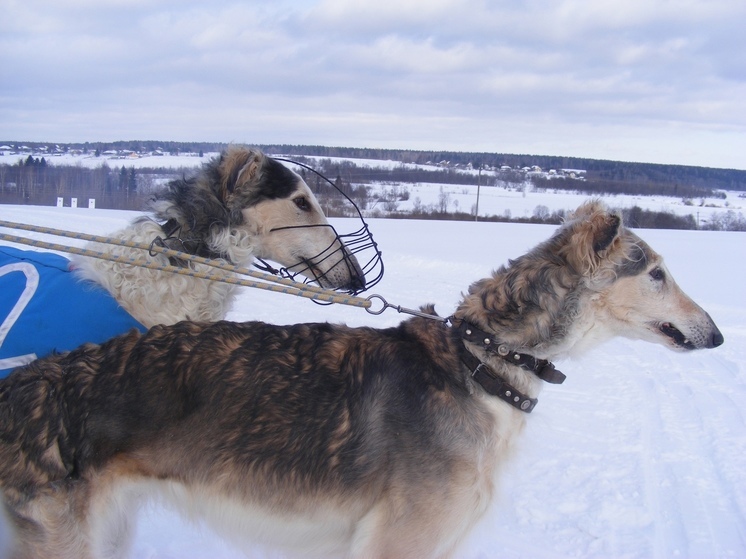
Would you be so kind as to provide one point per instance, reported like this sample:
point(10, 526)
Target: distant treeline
point(599, 187)
point(350, 173)
point(597, 170)
point(35, 182)
point(635, 217)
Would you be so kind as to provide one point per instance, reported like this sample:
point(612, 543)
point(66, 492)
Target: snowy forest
point(36, 173)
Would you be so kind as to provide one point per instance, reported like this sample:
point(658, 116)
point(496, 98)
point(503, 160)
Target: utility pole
point(479, 186)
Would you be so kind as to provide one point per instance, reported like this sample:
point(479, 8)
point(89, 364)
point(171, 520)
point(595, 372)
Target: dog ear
point(239, 166)
point(593, 235)
point(606, 231)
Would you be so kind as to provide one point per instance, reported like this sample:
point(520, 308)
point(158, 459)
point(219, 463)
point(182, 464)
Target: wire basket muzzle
point(357, 251)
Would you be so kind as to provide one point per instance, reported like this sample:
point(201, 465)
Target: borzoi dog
point(242, 205)
point(327, 439)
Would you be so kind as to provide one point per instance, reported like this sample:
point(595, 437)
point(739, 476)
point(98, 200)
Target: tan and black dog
point(323, 439)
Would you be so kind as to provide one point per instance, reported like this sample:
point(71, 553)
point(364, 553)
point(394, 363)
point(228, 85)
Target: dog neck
point(176, 240)
point(488, 379)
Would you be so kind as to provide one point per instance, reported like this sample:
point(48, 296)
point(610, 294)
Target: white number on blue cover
point(32, 282)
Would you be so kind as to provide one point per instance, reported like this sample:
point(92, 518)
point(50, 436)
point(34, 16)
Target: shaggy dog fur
point(242, 205)
point(359, 442)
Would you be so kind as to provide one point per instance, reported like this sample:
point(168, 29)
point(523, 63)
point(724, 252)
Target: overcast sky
point(634, 80)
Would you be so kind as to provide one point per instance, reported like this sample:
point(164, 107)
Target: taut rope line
point(286, 285)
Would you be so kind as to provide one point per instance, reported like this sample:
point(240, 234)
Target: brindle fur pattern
point(360, 442)
point(284, 418)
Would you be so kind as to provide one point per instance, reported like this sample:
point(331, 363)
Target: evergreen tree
point(132, 182)
point(123, 180)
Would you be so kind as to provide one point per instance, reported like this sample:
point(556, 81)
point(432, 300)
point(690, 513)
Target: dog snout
point(339, 270)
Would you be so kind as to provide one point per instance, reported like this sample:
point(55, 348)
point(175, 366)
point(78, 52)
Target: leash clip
point(398, 308)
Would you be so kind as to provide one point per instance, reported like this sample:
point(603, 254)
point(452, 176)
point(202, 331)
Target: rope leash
point(155, 248)
point(285, 285)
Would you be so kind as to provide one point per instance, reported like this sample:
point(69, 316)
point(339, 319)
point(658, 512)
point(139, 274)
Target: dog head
point(244, 204)
point(593, 280)
point(637, 297)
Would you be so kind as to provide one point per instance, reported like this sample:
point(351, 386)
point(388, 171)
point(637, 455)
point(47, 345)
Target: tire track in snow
point(688, 437)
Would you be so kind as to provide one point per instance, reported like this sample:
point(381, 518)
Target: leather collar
point(542, 368)
point(488, 379)
point(494, 385)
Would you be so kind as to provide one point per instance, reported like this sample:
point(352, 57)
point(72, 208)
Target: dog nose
point(716, 339)
point(357, 276)
point(357, 283)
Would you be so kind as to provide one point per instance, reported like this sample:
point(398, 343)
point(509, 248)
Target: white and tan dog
point(320, 438)
point(241, 206)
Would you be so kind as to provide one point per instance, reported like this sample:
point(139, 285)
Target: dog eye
point(302, 203)
point(657, 274)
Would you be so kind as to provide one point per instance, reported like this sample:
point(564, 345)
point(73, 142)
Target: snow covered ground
point(641, 453)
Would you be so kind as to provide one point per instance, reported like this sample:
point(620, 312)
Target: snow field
point(641, 453)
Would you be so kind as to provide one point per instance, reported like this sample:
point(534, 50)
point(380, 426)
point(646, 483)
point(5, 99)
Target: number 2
point(32, 283)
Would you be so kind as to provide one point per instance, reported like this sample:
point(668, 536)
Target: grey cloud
point(544, 75)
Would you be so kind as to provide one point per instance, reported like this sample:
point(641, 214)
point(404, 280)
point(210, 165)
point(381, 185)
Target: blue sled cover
point(44, 308)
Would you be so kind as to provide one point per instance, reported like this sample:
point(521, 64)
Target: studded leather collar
point(489, 380)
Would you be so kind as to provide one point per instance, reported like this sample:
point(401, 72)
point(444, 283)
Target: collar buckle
point(495, 386)
point(542, 368)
